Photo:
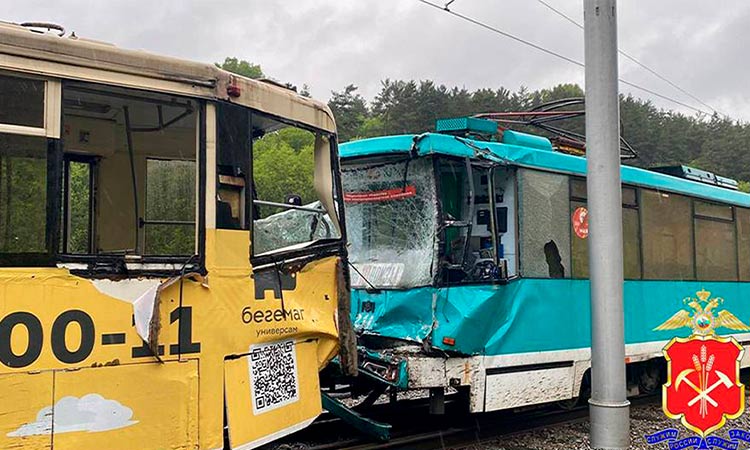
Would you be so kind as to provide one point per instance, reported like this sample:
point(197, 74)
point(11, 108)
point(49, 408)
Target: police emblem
point(703, 388)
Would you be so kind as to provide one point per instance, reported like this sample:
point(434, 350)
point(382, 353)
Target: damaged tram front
point(171, 255)
point(470, 263)
point(430, 224)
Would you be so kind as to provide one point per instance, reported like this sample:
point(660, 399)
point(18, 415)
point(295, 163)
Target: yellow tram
point(162, 285)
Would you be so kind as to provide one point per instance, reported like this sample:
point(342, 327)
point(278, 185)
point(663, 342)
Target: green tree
point(283, 164)
point(170, 196)
point(241, 67)
point(350, 111)
point(660, 137)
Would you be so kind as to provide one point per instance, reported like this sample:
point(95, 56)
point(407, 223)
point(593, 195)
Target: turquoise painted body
point(526, 140)
point(528, 315)
point(431, 143)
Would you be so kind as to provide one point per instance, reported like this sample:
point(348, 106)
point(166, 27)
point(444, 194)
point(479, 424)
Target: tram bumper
point(407, 369)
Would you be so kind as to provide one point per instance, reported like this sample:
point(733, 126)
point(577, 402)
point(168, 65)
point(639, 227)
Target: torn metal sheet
point(372, 428)
point(128, 290)
point(146, 310)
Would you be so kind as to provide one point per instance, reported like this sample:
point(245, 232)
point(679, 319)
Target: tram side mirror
point(293, 199)
point(501, 219)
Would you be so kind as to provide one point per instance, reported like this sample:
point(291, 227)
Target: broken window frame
point(561, 243)
point(511, 266)
point(94, 265)
point(470, 166)
point(319, 247)
point(97, 265)
point(242, 169)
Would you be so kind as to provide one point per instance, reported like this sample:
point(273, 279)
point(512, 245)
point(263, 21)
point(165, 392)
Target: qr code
point(273, 375)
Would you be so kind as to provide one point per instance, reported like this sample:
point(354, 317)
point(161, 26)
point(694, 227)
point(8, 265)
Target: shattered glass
point(391, 220)
point(292, 226)
point(544, 219)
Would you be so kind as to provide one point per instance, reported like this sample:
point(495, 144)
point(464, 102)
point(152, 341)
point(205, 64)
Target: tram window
point(578, 189)
point(715, 249)
point(145, 148)
point(712, 210)
point(579, 248)
point(77, 227)
point(391, 218)
point(170, 207)
point(469, 243)
point(630, 234)
point(544, 218)
point(287, 209)
point(22, 102)
point(743, 242)
point(454, 202)
point(629, 196)
point(667, 236)
point(23, 194)
point(631, 239)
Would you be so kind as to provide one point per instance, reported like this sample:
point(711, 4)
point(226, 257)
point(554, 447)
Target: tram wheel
point(569, 404)
point(649, 378)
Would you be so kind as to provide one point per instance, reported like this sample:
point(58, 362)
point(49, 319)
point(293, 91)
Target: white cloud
point(90, 413)
point(42, 425)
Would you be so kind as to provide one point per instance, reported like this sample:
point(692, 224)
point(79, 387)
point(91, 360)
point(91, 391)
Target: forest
point(659, 136)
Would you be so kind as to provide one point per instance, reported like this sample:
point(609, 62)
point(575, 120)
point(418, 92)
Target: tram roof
point(87, 60)
point(537, 157)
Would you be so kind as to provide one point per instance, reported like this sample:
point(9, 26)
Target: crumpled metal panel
point(403, 315)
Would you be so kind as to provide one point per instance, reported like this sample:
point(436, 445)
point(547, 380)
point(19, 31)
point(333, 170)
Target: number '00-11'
point(33, 327)
point(36, 337)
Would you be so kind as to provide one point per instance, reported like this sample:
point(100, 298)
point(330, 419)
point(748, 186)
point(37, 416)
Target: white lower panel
point(514, 389)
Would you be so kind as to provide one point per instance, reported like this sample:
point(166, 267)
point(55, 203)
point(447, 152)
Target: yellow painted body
point(117, 396)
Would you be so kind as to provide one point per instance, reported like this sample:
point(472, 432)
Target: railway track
point(414, 428)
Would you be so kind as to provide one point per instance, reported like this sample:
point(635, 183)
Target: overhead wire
point(555, 54)
point(633, 59)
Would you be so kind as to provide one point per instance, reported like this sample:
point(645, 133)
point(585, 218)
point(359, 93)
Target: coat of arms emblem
point(703, 388)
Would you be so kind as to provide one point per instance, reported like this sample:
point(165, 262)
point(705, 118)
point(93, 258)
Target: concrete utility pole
point(608, 406)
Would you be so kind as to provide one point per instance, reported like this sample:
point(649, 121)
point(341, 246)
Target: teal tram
point(470, 264)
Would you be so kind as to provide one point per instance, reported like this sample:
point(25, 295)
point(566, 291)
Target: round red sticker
point(581, 222)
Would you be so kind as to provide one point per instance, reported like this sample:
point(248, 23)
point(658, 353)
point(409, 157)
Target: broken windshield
point(391, 220)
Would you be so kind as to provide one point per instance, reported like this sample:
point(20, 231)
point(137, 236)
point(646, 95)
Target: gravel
point(644, 419)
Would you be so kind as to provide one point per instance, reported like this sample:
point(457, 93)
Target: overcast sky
point(700, 45)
